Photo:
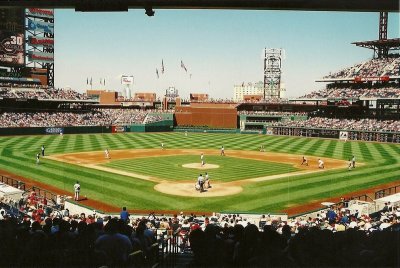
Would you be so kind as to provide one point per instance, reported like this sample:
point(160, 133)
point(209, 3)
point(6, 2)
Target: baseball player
point(107, 154)
point(262, 148)
point(207, 181)
point(350, 164)
point(222, 151)
point(37, 159)
point(43, 150)
point(162, 146)
point(200, 181)
point(304, 161)
point(202, 159)
point(77, 189)
point(321, 164)
point(353, 161)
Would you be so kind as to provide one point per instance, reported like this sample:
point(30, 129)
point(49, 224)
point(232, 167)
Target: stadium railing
point(12, 182)
point(387, 191)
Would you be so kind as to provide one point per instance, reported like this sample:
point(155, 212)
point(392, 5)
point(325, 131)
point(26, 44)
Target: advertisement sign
point(371, 78)
point(41, 41)
point(40, 26)
point(54, 130)
point(118, 129)
point(344, 135)
point(40, 56)
point(12, 37)
point(40, 13)
point(127, 80)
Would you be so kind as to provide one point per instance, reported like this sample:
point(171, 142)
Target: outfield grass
point(230, 168)
point(382, 164)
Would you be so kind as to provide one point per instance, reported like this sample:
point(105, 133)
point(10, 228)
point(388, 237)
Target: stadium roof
point(390, 43)
point(124, 5)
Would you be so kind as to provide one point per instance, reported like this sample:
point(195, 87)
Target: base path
point(187, 188)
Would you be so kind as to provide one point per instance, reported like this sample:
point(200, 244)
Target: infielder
point(37, 158)
point(353, 161)
point(77, 189)
point(222, 151)
point(304, 161)
point(202, 159)
point(321, 164)
point(107, 154)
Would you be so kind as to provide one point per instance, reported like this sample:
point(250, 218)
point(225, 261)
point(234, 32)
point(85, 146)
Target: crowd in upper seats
point(351, 93)
point(273, 113)
point(372, 68)
point(31, 91)
point(99, 117)
point(343, 124)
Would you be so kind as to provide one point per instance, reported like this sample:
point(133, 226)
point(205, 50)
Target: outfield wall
point(53, 130)
point(391, 137)
point(214, 117)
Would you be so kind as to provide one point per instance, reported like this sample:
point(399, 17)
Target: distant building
point(253, 91)
point(245, 91)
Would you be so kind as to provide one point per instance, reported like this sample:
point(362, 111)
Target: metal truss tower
point(272, 72)
point(383, 24)
point(40, 53)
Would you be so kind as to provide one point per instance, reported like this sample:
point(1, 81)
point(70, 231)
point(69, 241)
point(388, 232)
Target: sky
point(220, 48)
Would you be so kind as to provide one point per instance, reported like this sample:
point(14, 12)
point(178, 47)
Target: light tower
point(272, 72)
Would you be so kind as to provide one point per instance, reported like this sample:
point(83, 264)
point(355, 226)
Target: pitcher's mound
point(199, 166)
point(188, 189)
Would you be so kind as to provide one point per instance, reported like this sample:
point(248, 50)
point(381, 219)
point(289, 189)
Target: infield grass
point(230, 168)
point(381, 165)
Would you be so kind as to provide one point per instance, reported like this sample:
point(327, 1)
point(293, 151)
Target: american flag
point(183, 66)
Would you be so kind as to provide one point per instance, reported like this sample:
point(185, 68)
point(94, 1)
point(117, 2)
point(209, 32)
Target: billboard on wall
point(127, 80)
point(40, 13)
point(40, 26)
point(41, 41)
point(12, 37)
point(40, 56)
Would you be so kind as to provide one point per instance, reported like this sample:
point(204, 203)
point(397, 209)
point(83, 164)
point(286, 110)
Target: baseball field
point(142, 176)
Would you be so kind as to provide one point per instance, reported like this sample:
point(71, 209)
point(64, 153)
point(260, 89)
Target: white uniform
point(321, 164)
point(162, 146)
point(107, 154)
point(77, 189)
point(202, 159)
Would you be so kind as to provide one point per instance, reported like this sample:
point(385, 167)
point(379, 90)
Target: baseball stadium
point(205, 177)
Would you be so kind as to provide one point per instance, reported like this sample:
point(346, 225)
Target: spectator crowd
point(343, 124)
point(333, 237)
point(371, 68)
point(98, 117)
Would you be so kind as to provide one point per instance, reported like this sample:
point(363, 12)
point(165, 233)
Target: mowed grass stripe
point(170, 167)
point(377, 155)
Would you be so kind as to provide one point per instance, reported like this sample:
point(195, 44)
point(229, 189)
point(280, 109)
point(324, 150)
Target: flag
point(158, 76)
point(183, 66)
point(101, 81)
point(104, 82)
point(243, 84)
point(162, 66)
point(87, 81)
point(90, 80)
